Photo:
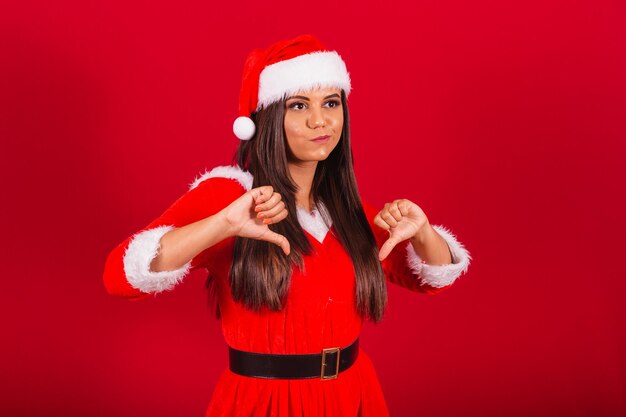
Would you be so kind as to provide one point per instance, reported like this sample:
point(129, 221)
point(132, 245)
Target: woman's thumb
point(277, 239)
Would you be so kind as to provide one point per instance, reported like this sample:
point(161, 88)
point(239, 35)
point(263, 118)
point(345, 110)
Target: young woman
point(297, 260)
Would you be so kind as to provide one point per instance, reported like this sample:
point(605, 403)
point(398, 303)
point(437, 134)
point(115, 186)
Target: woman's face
point(313, 124)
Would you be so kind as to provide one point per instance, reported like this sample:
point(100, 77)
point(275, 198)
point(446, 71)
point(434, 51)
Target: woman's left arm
point(405, 220)
point(410, 248)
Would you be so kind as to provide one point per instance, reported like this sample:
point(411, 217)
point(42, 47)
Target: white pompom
point(244, 128)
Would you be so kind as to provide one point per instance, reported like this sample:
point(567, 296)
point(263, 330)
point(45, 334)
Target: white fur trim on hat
point(143, 248)
point(302, 73)
point(232, 172)
point(439, 276)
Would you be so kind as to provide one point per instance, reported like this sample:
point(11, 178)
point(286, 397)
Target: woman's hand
point(404, 220)
point(250, 214)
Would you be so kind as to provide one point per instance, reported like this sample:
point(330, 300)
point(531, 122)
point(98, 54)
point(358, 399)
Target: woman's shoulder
point(223, 176)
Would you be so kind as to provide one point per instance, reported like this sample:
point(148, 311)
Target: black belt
point(325, 365)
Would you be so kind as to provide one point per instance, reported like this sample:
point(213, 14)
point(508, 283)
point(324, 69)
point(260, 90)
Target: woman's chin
point(321, 154)
point(310, 158)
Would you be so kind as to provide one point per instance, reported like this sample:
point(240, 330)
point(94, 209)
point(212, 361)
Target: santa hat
point(284, 68)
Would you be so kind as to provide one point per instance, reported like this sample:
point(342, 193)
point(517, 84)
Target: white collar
point(317, 222)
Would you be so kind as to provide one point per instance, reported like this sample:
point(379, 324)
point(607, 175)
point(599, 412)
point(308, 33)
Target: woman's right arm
point(180, 245)
point(159, 256)
point(243, 217)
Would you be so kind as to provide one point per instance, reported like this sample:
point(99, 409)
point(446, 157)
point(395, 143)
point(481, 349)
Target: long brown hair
point(260, 273)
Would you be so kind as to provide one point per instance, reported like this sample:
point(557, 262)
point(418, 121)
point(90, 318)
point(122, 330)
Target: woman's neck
point(302, 173)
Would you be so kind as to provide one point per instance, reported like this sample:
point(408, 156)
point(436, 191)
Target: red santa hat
point(283, 69)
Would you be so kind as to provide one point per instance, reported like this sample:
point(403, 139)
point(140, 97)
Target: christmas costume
point(319, 311)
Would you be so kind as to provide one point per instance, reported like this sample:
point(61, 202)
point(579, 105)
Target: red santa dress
point(319, 312)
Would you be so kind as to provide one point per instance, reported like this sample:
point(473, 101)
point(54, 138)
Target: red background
point(504, 122)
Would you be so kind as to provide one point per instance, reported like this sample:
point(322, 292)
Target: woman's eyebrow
point(300, 97)
point(335, 95)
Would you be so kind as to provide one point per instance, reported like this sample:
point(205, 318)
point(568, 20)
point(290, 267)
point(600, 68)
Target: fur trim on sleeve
point(232, 172)
point(143, 248)
point(439, 276)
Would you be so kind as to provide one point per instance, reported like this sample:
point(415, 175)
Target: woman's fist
point(250, 214)
point(403, 219)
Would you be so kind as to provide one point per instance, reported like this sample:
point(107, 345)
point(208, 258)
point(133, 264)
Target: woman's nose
point(316, 118)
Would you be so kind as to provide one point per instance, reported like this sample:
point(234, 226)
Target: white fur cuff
point(439, 276)
point(143, 248)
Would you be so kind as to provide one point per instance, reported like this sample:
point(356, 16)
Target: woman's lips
point(321, 139)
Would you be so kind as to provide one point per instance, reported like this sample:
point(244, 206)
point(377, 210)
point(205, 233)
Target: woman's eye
point(297, 106)
point(333, 103)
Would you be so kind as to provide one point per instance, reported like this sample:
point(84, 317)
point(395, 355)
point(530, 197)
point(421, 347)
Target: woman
point(297, 261)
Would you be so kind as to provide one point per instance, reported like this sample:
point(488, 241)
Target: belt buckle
point(324, 352)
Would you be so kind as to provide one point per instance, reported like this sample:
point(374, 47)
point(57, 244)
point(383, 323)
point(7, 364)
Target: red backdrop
point(503, 122)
